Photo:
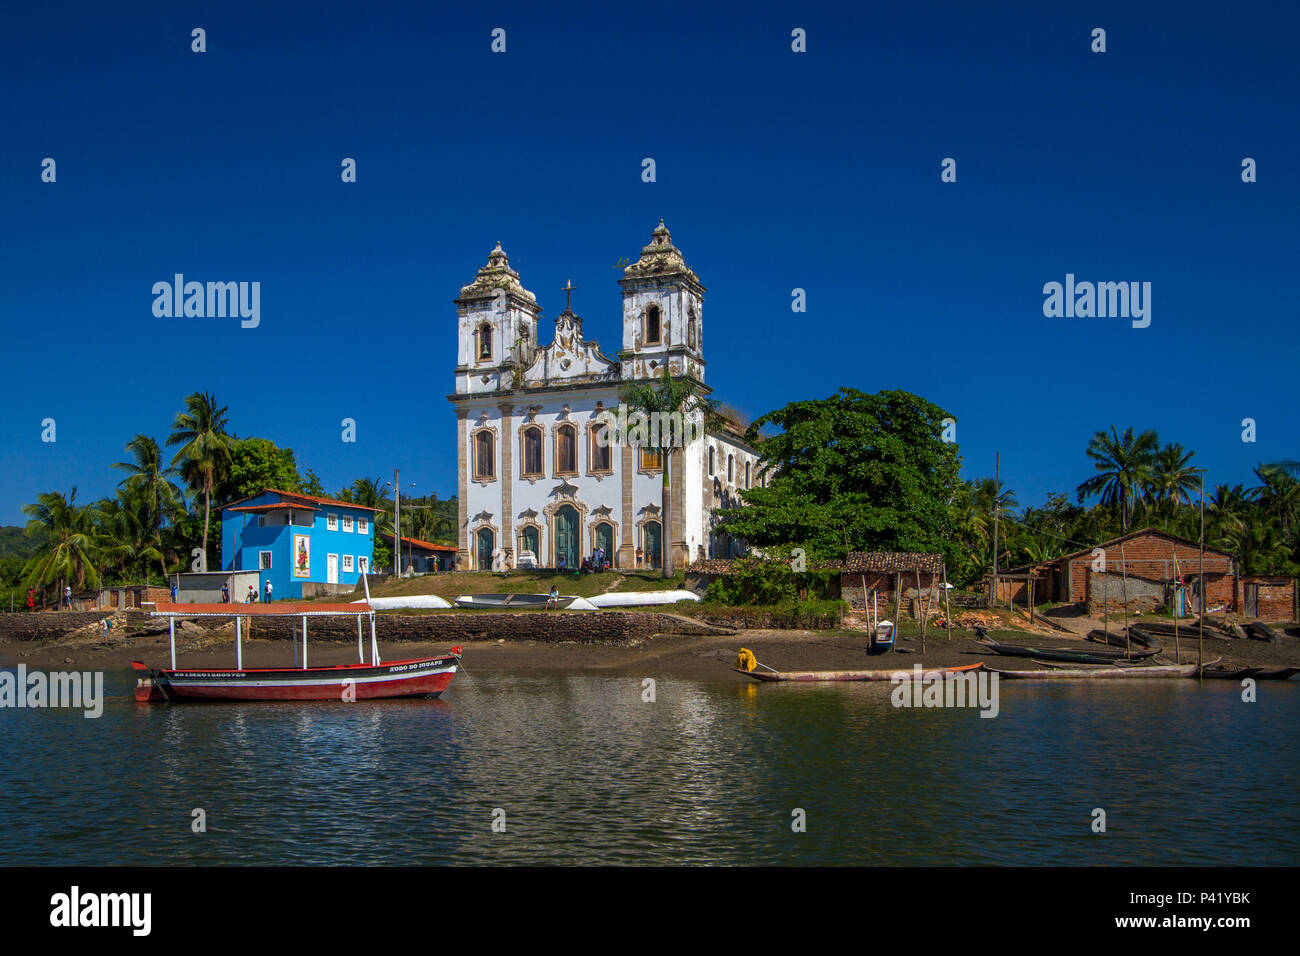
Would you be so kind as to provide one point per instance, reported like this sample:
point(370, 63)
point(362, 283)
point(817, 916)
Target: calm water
point(708, 774)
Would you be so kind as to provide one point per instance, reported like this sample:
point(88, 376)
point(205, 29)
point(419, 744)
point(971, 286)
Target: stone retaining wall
point(603, 627)
point(39, 625)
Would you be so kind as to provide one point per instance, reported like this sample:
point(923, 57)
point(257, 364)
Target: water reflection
point(588, 771)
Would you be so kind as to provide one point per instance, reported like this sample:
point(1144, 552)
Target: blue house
point(293, 539)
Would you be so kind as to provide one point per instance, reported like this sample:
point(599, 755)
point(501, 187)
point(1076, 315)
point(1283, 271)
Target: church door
point(605, 539)
point(566, 536)
point(528, 538)
point(485, 549)
point(653, 550)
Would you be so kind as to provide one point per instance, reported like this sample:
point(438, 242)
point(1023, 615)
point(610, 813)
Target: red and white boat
point(415, 677)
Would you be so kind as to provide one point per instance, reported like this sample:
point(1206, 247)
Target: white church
point(536, 473)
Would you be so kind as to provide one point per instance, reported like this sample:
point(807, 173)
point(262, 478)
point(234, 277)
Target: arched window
point(731, 469)
point(532, 458)
point(712, 468)
point(652, 331)
point(485, 465)
point(484, 341)
point(566, 450)
point(598, 453)
point(746, 474)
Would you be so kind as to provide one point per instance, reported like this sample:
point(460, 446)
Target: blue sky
point(775, 170)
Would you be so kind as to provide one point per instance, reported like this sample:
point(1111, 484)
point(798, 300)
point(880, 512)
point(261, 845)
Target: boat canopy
point(278, 609)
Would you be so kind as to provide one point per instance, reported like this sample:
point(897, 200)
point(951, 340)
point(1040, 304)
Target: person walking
point(31, 599)
point(225, 593)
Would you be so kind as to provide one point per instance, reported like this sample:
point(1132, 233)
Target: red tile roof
point(314, 499)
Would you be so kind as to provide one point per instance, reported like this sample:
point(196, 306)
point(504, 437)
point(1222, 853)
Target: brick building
point(1152, 562)
point(1267, 598)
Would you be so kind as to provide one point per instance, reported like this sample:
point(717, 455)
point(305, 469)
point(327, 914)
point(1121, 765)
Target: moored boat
point(414, 677)
point(1102, 673)
point(1069, 655)
point(873, 675)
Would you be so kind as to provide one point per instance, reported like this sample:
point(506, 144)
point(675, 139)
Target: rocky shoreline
point(650, 645)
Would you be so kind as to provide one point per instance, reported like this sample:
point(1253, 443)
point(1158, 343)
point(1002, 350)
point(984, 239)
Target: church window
point(598, 454)
point(652, 331)
point(651, 459)
point(691, 331)
point(566, 450)
point(532, 458)
point(746, 474)
point(731, 469)
point(712, 465)
point(484, 455)
point(484, 342)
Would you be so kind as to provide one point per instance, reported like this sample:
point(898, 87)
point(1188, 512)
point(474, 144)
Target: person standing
point(225, 593)
point(268, 590)
point(175, 592)
point(67, 596)
point(31, 599)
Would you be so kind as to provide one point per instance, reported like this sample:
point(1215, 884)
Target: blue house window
point(363, 526)
point(331, 522)
point(264, 560)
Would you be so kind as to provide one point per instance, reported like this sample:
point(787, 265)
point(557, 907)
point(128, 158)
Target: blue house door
point(566, 535)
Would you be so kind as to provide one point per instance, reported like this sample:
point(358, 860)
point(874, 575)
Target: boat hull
point(1104, 673)
point(877, 675)
point(422, 677)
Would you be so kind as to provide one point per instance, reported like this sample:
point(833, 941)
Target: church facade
point(539, 470)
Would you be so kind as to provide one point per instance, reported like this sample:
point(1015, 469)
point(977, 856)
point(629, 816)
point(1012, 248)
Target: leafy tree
point(205, 450)
point(66, 536)
point(855, 472)
point(257, 463)
point(1124, 469)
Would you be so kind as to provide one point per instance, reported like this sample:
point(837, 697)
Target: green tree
point(1124, 466)
point(675, 398)
point(855, 472)
point(257, 463)
point(149, 479)
point(66, 536)
point(206, 446)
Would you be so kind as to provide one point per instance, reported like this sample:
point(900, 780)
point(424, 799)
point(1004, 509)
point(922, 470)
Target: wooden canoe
point(878, 675)
point(1105, 673)
point(1067, 654)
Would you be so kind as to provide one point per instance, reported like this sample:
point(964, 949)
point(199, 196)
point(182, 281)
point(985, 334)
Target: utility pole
point(1200, 648)
point(397, 523)
point(997, 510)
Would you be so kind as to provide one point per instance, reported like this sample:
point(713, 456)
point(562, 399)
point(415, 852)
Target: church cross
point(568, 291)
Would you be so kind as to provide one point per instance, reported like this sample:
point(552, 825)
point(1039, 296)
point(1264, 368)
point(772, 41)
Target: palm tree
point(128, 537)
point(67, 543)
point(1174, 480)
point(205, 448)
point(1124, 468)
point(152, 481)
point(676, 397)
point(1278, 494)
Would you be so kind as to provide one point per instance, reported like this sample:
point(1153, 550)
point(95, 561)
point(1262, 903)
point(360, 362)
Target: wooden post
point(997, 512)
point(923, 605)
point(361, 652)
point(239, 643)
point(374, 643)
point(1200, 648)
point(1178, 593)
point(171, 626)
point(304, 642)
point(947, 608)
point(1123, 570)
